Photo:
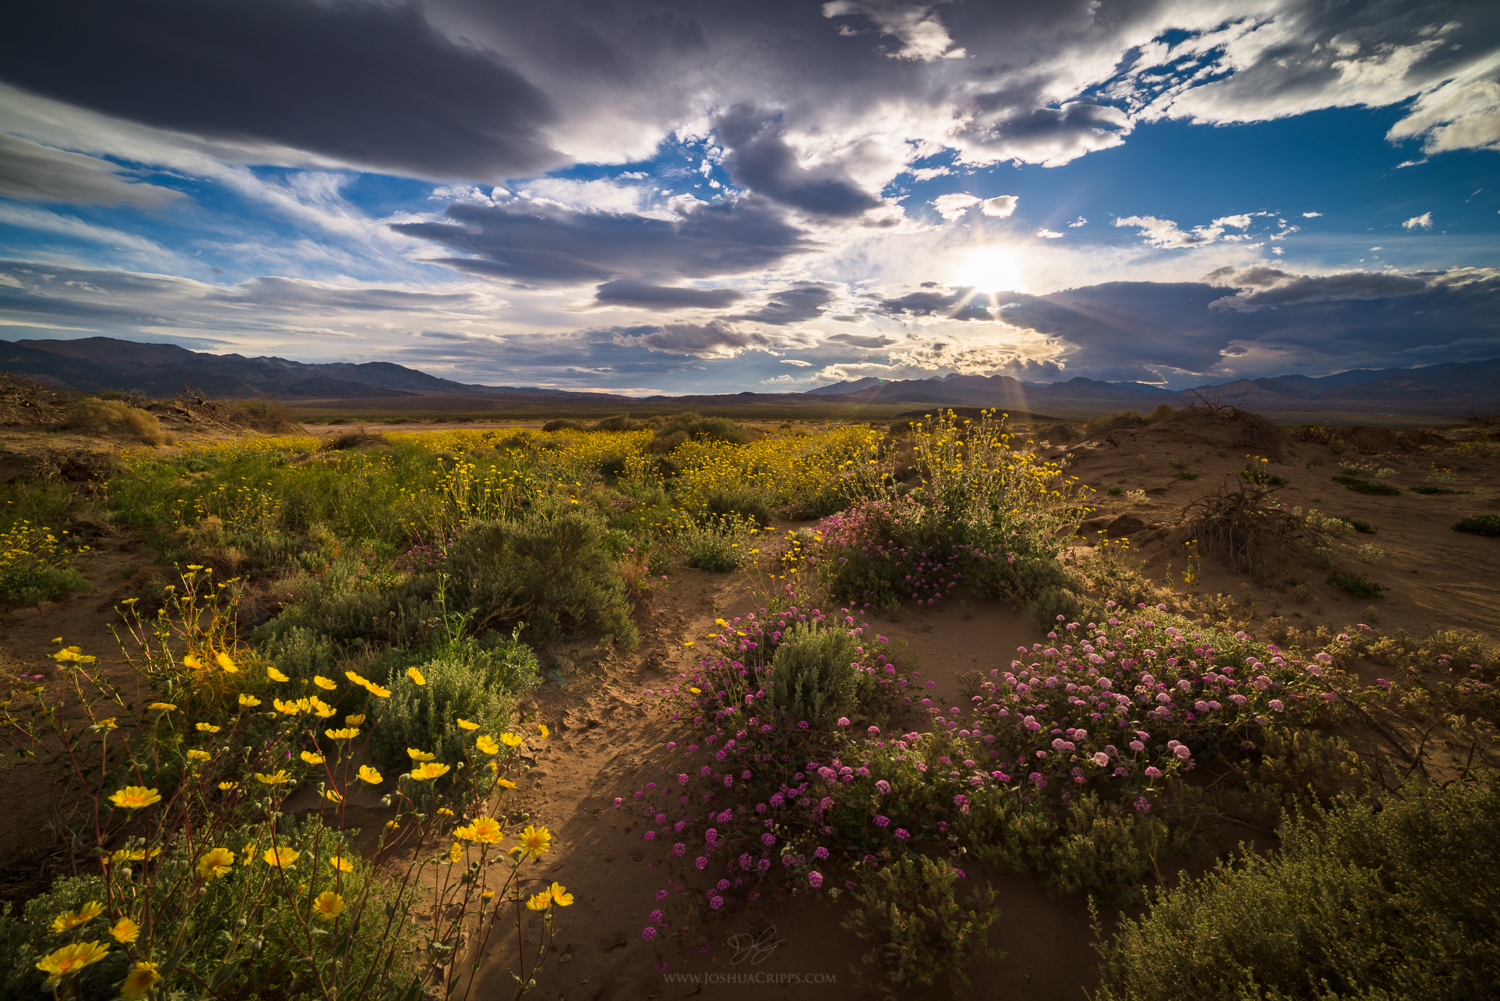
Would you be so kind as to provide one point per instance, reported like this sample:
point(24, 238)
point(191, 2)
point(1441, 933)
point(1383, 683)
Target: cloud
point(643, 295)
point(714, 339)
point(542, 243)
point(797, 362)
point(920, 32)
point(868, 342)
point(1423, 221)
point(958, 305)
point(794, 304)
point(1000, 207)
point(34, 172)
point(1166, 234)
point(1262, 287)
point(955, 205)
point(1080, 221)
point(759, 158)
point(1311, 215)
point(1048, 234)
point(373, 84)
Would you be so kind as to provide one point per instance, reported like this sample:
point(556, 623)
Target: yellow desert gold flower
point(325, 683)
point(139, 981)
point(227, 664)
point(216, 862)
point(356, 720)
point(70, 959)
point(455, 852)
point(320, 708)
point(132, 855)
point(534, 841)
point(125, 931)
point(328, 905)
point(357, 679)
point(276, 778)
point(348, 733)
point(228, 786)
point(512, 739)
point(417, 755)
point(560, 895)
point(541, 728)
point(430, 770)
point(378, 691)
point(197, 755)
point(289, 707)
point(333, 795)
point(488, 894)
point(340, 863)
point(68, 920)
point(443, 811)
point(464, 724)
point(696, 691)
point(480, 830)
point(275, 675)
point(312, 758)
point(134, 797)
point(540, 901)
point(505, 783)
point(162, 707)
point(281, 858)
point(191, 662)
point(487, 744)
point(207, 728)
point(249, 701)
point(415, 676)
point(370, 775)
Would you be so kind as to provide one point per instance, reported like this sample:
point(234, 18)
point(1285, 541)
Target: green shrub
point(552, 573)
point(719, 546)
point(473, 678)
point(812, 675)
point(725, 502)
point(1115, 491)
point(1480, 524)
point(921, 930)
point(1358, 902)
point(563, 424)
point(1263, 478)
point(1359, 585)
point(1360, 486)
point(1359, 525)
point(690, 426)
point(1185, 474)
point(1433, 488)
point(35, 565)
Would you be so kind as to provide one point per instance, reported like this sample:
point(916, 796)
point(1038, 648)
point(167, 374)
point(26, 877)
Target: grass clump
point(1360, 486)
point(565, 424)
point(1480, 524)
point(1358, 902)
point(35, 565)
point(1359, 585)
point(97, 415)
point(1433, 488)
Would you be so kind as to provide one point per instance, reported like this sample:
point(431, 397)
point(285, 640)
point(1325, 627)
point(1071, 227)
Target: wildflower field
point(305, 769)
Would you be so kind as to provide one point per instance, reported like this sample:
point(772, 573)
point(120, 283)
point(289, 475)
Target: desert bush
point(812, 678)
point(1162, 412)
point(725, 502)
point(267, 415)
point(1371, 553)
point(1359, 585)
point(1365, 487)
point(1358, 902)
point(1479, 524)
point(719, 546)
point(101, 415)
point(1254, 472)
point(568, 424)
point(1248, 529)
point(552, 573)
point(693, 427)
point(919, 926)
point(1432, 488)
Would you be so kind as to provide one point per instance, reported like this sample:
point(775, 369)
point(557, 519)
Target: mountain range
point(95, 364)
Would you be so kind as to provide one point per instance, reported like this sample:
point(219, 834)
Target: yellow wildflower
point(328, 905)
point(70, 959)
point(357, 679)
point(355, 720)
point(348, 733)
point(197, 755)
point(415, 676)
point(481, 830)
point(68, 920)
point(505, 783)
point(417, 755)
point(249, 701)
point(228, 786)
point(333, 795)
point(311, 758)
point(192, 662)
point(487, 744)
point(512, 739)
point(443, 811)
point(326, 683)
point(162, 707)
point(134, 797)
point(276, 778)
point(378, 691)
point(541, 728)
point(281, 858)
point(430, 770)
point(275, 675)
point(215, 862)
point(139, 981)
point(125, 931)
point(370, 775)
point(132, 855)
point(319, 708)
point(560, 895)
point(290, 708)
point(464, 724)
point(227, 664)
point(340, 863)
point(455, 852)
point(207, 728)
point(540, 901)
point(534, 841)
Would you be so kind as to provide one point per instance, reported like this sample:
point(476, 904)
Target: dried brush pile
point(26, 402)
point(1246, 528)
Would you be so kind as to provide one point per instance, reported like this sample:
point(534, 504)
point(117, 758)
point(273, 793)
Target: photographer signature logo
point(753, 948)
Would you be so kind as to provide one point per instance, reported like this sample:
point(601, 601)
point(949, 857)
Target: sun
point(989, 269)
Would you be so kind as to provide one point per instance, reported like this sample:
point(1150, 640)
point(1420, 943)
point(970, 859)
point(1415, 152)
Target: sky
point(662, 196)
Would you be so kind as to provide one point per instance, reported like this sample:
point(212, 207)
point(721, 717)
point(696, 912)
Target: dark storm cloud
point(1263, 287)
point(547, 244)
point(370, 83)
point(866, 342)
point(714, 339)
point(1141, 326)
point(760, 159)
point(802, 301)
point(953, 305)
point(644, 295)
